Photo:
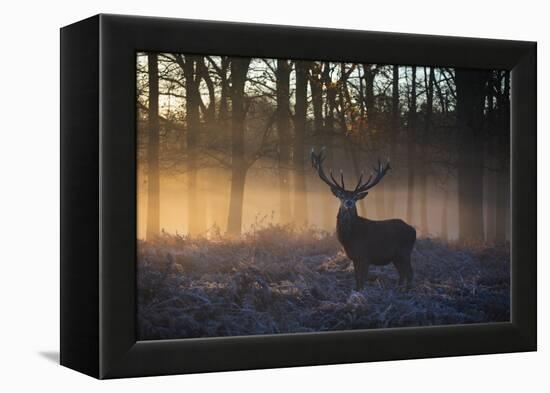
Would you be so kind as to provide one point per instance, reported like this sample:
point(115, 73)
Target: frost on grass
point(279, 280)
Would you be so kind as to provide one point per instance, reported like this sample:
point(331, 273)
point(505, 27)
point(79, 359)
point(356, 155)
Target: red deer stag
point(366, 241)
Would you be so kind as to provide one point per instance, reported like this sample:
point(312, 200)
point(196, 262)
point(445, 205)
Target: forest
point(225, 185)
point(227, 139)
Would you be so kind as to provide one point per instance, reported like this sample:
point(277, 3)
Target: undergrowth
point(277, 279)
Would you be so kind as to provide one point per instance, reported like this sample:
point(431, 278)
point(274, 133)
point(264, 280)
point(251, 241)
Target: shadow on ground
point(52, 356)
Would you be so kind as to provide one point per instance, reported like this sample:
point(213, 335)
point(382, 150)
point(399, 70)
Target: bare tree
point(195, 210)
point(283, 130)
point(423, 159)
point(394, 131)
point(330, 103)
point(503, 143)
point(239, 69)
point(316, 84)
point(322, 126)
point(470, 87)
point(153, 187)
point(300, 119)
point(411, 146)
point(375, 130)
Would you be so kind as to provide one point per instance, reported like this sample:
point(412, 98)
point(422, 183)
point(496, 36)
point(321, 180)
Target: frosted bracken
point(280, 280)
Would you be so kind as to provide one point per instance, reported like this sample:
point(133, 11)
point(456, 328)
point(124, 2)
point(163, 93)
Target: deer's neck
point(345, 221)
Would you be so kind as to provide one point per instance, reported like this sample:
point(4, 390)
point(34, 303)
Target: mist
point(262, 204)
point(224, 146)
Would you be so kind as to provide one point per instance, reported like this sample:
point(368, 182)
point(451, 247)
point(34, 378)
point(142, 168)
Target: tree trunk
point(283, 130)
point(317, 98)
point(352, 149)
point(300, 197)
point(503, 206)
point(153, 183)
point(235, 218)
point(378, 193)
point(224, 86)
point(423, 158)
point(361, 103)
point(329, 129)
point(209, 188)
point(218, 183)
point(491, 178)
point(503, 174)
point(470, 86)
point(195, 209)
point(321, 138)
point(411, 149)
point(328, 200)
point(239, 69)
point(369, 96)
point(393, 139)
point(331, 99)
point(340, 93)
point(204, 74)
point(444, 213)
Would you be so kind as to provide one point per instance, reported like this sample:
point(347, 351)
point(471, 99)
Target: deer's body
point(367, 242)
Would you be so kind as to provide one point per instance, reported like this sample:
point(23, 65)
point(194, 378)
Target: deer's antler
point(317, 163)
point(378, 173)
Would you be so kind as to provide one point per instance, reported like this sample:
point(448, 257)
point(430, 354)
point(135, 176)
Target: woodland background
point(224, 144)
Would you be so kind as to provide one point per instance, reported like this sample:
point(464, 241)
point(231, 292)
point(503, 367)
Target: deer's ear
point(360, 196)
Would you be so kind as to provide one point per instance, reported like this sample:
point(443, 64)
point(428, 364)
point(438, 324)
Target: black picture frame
point(98, 197)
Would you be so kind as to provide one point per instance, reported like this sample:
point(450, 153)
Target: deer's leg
point(404, 268)
point(359, 269)
point(401, 277)
point(408, 272)
point(356, 271)
point(399, 264)
point(365, 273)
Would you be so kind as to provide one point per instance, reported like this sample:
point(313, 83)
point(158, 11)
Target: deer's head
point(348, 198)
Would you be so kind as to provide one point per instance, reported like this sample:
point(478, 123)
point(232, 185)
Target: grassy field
point(278, 280)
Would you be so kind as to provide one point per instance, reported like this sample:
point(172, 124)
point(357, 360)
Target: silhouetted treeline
point(206, 118)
